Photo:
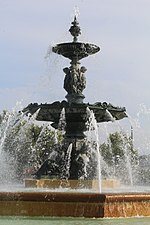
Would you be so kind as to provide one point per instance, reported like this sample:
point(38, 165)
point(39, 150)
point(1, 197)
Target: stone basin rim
point(41, 196)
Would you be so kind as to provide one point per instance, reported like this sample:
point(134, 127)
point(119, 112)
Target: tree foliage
point(119, 155)
point(25, 143)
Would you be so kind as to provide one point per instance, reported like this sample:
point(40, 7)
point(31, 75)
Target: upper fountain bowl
point(75, 50)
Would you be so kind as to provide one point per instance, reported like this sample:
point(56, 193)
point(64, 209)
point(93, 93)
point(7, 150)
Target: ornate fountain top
point(75, 50)
point(75, 29)
point(75, 81)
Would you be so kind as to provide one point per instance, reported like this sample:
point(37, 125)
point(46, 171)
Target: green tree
point(120, 156)
point(26, 145)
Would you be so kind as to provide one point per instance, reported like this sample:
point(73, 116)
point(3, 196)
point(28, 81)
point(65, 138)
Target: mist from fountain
point(6, 170)
point(126, 146)
point(11, 121)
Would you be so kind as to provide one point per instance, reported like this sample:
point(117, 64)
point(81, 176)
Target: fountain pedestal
point(72, 184)
point(53, 183)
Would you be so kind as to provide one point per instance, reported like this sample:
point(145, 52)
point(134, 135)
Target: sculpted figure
point(75, 81)
point(67, 80)
point(81, 80)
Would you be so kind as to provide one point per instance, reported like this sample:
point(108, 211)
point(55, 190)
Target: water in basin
point(72, 221)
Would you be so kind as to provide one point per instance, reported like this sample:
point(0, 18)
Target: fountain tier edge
point(73, 204)
point(51, 112)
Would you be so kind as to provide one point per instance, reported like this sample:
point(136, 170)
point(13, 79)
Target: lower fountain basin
point(74, 204)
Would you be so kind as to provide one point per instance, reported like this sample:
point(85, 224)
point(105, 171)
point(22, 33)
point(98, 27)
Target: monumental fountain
point(74, 165)
point(76, 114)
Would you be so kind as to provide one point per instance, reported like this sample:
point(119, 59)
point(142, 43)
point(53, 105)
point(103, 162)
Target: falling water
point(128, 161)
point(127, 154)
point(110, 169)
point(4, 167)
point(4, 128)
point(49, 52)
point(62, 120)
point(37, 145)
point(109, 116)
point(8, 124)
point(93, 127)
point(67, 161)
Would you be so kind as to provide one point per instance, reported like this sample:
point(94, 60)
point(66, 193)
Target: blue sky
point(119, 73)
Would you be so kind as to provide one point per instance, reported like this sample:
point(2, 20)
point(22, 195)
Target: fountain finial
point(75, 29)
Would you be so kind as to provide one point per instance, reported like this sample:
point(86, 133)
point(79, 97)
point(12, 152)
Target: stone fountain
point(75, 148)
point(76, 115)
